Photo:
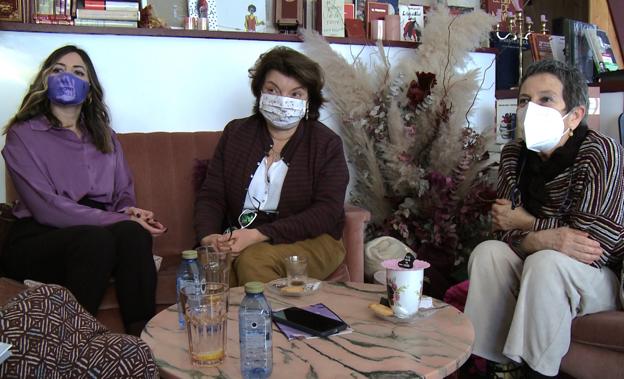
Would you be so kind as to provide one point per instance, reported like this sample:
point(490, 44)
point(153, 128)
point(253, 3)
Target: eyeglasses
point(248, 216)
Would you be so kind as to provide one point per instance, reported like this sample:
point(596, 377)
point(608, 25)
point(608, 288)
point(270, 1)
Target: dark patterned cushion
point(54, 337)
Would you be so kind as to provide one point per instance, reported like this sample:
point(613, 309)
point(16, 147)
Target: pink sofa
point(163, 166)
point(597, 347)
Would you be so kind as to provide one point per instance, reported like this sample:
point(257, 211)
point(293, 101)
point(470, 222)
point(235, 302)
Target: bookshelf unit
point(164, 32)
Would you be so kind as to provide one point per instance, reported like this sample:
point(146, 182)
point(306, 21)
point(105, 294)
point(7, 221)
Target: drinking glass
point(215, 264)
point(296, 270)
point(205, 313)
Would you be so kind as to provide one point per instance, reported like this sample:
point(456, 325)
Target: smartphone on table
point(310, 322)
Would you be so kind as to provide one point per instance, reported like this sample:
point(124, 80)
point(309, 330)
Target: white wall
point(171, 84)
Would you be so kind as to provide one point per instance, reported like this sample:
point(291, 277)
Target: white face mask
point(281, 111)
point(541, 126)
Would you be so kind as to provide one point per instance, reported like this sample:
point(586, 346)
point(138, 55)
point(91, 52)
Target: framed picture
point(241, 15)
point(11, 10)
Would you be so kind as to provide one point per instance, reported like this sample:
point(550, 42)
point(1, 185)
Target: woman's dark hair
point(574, 85)
point(93, 115)
point(293, 64)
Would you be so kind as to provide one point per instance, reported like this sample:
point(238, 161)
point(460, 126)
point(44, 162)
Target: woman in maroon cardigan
point(276, 184)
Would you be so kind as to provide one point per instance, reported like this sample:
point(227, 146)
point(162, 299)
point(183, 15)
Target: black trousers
point(83, 259)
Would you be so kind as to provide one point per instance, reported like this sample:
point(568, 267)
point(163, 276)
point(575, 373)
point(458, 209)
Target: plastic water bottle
point(188, 274)
point(255, 333)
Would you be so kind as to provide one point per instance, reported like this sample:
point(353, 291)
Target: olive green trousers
point(264, 262)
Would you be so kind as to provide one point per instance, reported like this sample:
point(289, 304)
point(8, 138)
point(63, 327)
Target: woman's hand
point(573, 243)
point(147, 220)
point(244, 238)
point(140, 213)
point(221, 242)
point(504, 218)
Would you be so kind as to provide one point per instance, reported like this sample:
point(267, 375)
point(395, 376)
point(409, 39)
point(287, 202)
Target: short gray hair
point(574, 85)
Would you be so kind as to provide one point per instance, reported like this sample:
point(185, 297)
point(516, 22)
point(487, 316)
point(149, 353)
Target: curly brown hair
point(293, 64)
point(93, 114)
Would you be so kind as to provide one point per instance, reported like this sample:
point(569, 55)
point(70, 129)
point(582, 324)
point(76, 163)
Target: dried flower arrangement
point(417, 165)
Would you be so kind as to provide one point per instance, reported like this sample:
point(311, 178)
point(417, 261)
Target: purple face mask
point(67, 89)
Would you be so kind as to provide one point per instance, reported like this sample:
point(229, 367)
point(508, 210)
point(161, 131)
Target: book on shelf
point(577, 50)
point(500, 9)
point(94, 14)
point(505, 120)
point(360, 9)
point(458, 11)
point(111, 5)
point(106, 23)
point(349, 11)
point(329, 18)
point(52, 11)
point(375, 11)
point(540, 46)
point(95, 4)
point(412, 21)
point(557, 44)
point(604, 58)
point(310, 13)
point(354, 28)
point(393, 6)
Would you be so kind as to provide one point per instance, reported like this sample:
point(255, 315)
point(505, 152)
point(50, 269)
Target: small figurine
point(408, 261)
point(251, 20)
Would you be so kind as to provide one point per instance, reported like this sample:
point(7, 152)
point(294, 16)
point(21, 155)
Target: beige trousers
point(264, 262)
point(523, 310)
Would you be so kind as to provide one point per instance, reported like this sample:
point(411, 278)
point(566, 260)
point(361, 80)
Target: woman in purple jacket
point(77, 221)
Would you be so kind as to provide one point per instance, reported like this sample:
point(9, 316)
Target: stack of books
point(52, 11)
point(107, 13)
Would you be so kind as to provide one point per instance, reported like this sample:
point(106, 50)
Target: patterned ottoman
point(54, 337)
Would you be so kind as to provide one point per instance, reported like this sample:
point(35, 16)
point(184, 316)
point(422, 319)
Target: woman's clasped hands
point(234, 241)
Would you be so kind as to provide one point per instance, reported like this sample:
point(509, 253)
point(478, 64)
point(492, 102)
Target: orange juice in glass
point(205, 313)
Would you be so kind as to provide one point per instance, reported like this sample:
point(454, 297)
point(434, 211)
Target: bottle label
point(255, 337)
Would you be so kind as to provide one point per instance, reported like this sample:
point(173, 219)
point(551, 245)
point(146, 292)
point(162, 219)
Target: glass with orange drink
point(205, 313)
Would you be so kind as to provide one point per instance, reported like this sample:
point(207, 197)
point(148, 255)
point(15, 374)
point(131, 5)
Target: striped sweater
point(313, 194)
point(592, 187)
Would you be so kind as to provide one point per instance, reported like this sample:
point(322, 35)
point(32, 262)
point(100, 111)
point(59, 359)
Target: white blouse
point(266, 186)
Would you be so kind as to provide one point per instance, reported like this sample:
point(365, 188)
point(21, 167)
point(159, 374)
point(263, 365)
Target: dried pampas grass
point(394, 141)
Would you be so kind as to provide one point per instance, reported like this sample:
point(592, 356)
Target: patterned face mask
point(281, 111)
point(67, 89)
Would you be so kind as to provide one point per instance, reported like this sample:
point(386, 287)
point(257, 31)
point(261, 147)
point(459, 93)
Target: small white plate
point(279, 286)
point(421, 314)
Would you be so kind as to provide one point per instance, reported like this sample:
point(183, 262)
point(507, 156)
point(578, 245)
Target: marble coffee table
point(430, 347)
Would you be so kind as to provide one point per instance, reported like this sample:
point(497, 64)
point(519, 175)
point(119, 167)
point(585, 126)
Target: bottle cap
point(254, 287)
point(189, 254)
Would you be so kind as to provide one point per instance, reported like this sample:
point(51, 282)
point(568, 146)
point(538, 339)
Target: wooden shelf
point(164, 32)
point(612, 86)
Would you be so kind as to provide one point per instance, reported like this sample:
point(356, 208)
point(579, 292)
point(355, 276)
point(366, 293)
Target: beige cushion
point(380, 249)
